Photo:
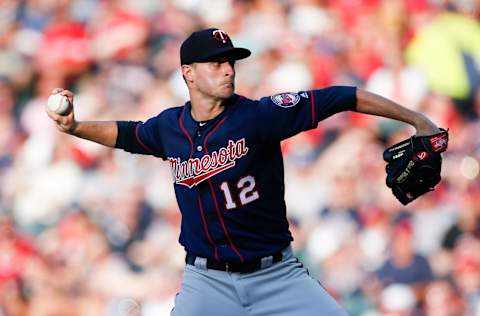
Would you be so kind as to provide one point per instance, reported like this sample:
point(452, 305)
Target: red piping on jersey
point(180, 122)
point(215, 252)
point(215, 198)
point(140, 141)
point(313, 108)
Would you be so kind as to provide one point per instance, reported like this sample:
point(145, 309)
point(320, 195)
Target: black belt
point(247, 267)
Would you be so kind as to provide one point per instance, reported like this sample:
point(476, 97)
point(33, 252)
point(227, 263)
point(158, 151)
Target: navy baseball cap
point(206, 45)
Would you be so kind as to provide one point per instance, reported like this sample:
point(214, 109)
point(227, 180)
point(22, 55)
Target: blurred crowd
point(86, 230)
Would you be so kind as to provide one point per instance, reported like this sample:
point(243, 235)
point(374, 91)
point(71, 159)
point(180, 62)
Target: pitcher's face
point(214, 78)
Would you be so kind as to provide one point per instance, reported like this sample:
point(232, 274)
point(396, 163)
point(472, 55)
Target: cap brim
point(232, 53)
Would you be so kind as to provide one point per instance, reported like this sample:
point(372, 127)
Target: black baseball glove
point(414, 165)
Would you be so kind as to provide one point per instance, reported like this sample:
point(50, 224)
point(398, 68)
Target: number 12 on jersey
point(247, 192)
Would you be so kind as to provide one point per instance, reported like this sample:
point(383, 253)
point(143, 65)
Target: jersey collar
point(192, 126)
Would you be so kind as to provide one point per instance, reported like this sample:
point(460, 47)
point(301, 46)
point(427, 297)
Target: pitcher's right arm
point(104, 133)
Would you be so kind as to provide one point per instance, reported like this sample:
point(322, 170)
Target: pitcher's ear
point(187, 73)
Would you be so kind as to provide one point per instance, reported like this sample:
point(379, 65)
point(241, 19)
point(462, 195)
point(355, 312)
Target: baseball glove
point(414, 165)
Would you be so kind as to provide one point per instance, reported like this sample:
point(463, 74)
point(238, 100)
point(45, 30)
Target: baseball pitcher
point(226, 162)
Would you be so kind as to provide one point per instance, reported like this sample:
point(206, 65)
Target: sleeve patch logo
point(285, 100)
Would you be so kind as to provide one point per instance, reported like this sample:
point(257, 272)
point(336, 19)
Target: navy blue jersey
point(228, 171)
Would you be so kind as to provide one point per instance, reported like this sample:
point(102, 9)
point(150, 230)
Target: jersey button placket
point(198, 143)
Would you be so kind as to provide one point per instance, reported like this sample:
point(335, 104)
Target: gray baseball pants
point(283, 289)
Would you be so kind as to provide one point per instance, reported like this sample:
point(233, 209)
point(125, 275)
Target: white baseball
point(57, 103)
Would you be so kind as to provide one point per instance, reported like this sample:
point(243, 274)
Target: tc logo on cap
point(220, 35)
